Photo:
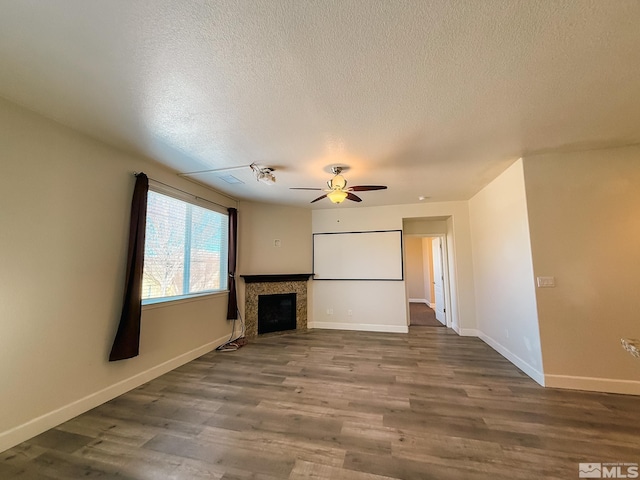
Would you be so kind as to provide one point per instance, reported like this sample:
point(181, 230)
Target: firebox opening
point(276, 312)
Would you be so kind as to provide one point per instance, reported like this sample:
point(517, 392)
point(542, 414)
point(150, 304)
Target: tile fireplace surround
point(257, 285)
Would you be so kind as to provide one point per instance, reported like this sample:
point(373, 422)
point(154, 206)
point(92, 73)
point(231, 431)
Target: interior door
point(438, 279)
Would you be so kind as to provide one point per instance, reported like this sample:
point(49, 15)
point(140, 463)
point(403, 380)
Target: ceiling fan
point(338, 191)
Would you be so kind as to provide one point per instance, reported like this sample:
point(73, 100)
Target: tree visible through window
point(185, 249)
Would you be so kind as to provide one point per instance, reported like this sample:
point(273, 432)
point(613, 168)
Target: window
point(185, 249)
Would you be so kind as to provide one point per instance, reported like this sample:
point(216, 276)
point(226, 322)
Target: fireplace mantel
point(281, 277)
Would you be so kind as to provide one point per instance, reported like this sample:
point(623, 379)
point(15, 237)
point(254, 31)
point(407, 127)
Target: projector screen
point(358, 255)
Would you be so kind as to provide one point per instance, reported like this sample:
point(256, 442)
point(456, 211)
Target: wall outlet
point(350, 312)
point(329, 311)
point(277, 242)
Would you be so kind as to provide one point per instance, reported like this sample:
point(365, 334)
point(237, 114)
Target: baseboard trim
point(365, 327)
point(30, 429)
point(419, 300)
point(432, 306)
point(593, 384)
point(528, 369)
point(467, 332)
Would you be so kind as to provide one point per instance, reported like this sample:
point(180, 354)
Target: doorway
point(422, 315)
point(426, 280)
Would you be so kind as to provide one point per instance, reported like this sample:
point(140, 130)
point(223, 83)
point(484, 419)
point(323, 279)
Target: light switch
point(545, 282)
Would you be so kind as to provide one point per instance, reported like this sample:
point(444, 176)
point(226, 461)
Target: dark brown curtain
point(232, 306)
point(127, 341)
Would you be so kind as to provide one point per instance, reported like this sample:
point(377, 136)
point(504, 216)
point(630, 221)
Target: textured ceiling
point(432, 98)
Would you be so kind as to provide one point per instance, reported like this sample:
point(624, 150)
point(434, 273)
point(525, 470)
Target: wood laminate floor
point(340, 405)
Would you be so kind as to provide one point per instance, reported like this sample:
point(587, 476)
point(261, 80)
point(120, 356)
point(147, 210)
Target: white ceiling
point(431, 98)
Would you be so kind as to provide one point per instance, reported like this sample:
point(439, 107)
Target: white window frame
point(199, 202)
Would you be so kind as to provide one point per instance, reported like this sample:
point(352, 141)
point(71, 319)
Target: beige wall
point(503, 271)
point(584, 217)
point(259, 226)
point(414, 268)
point(424, 226)
point(383, 305)
point(64, 207)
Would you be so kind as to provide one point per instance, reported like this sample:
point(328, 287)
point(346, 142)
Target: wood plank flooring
point(340, 405)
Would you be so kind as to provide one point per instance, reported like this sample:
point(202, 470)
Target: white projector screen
point(358, 255)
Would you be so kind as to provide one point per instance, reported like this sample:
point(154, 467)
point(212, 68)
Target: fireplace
point(276, 285)
point(276, 312)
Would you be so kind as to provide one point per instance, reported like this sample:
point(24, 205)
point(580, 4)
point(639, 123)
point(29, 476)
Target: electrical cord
point(231, 345)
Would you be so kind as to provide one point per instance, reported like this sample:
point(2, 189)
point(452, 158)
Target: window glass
point(185, 249)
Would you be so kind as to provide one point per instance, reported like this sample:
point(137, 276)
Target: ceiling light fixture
point(337, 196)
point(337, 183)
point(338, 190)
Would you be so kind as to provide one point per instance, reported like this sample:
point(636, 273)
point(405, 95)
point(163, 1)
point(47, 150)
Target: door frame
point(437, 258)
point(446, 286)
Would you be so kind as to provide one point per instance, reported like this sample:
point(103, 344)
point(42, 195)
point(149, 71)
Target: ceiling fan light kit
point(338, 191)
point(338, 181)
point(337, 196)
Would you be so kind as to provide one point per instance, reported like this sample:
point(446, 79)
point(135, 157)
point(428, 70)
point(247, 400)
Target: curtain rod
point(135, 174)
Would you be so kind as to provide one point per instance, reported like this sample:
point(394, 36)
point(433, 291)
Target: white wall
point(503, 271)
point(584, 217)
point(382, 305)
point(64, 211)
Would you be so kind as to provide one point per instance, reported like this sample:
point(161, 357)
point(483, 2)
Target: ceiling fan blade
point(319, 198)
point(353, 197)
point(364, 188)
point(304, 188)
